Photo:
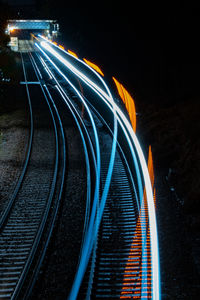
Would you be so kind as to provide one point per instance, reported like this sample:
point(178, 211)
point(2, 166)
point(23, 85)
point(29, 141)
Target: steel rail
point(78, 120)
point(72, 105)
point(45, 215)
point(29, 147)
point(56, 206)
point(83, 132)
point(108, 100)
point(132, 184)
point(140, 164)
point(118, 145)
point(94, 223)
point(37, 236)
point(86, 250)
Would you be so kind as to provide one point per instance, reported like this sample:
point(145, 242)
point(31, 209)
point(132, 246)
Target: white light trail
point(105, 97)
point(94, 219)
point(128, 131)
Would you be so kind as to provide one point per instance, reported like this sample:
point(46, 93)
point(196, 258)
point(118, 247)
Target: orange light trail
point(132, 287)
point(35, 37)
point(95, 67)
point(72, 53)
point(128, 101)
point(60, 46)
point(150, 166)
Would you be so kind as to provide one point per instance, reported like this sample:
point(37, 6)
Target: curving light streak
point(72, 53)
point(107, 97)
point(100, 92)
point(73, 69)
point(151, 212)
point(128, 101)
point(94, 223)
point(61, 47)
point(150, 166)
point(68, 53)
point(141, 238)
point(95, 67)
point(65, 98)
point(124, 157)
point(128, 131)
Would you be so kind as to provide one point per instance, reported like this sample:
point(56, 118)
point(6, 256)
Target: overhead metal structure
point(33, 24)
point(20, 30)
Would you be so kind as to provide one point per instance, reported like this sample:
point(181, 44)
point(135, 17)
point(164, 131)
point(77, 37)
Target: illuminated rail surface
point(128, 267)
point(119, 253)
point(28, 211)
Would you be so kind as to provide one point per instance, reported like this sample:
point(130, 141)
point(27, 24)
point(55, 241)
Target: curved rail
point(140, 170)
point(88, 146)
point(28, 153)
point(52, 107)
point(96, 213)
point(21, 237)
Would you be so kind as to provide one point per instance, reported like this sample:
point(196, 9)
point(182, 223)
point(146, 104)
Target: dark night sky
point(18, 2)
point(150, 46)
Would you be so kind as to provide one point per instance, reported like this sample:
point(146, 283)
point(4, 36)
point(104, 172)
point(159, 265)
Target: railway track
point(118, 253)
point(104, 277)
point(30, 214)
point(117, 227)
point(118, 258)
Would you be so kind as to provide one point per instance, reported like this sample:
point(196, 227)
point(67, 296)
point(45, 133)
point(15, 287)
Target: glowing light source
point(128, 101)
point(95, 67)
point(11, 29)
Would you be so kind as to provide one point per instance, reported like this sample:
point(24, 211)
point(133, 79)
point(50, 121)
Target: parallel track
point(28, 212)
point(115, 257)
point(120, 263)
point(104, 278)
point(119, 222)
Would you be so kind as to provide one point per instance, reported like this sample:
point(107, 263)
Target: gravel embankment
point(14, 135)
point(179, 274)
point(60, 263)
point(171, 133)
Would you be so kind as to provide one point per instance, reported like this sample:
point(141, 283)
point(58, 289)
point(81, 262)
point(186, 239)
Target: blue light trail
point(134, 145)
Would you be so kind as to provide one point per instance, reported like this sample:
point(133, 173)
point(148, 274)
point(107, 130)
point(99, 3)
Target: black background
point(151, 47)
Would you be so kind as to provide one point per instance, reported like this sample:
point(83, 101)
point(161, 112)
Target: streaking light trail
point(94, 221)
point(107, 98)
point(60, 46)
point(72, 53)
point(132, 140)
point(128, 101)
point(141, 243)
point(95, 67)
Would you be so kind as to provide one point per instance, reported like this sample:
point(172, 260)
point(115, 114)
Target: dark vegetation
point(9, 90)
point(9, 68)
point(173, 132)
